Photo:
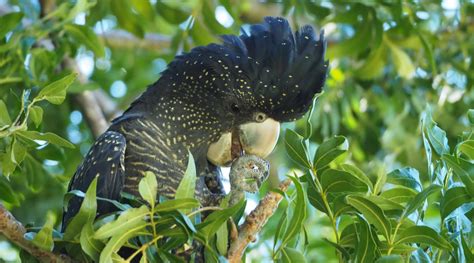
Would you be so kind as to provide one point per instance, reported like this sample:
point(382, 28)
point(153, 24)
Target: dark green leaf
point(422, 234)
point(214, 221)
point(385, 204)
point(372, 213)
point(296, 148)
point(171, 14)
point(357, 173)
point(4, 116)
point(316, 200)
point(454, 198)
point(366, 249)
point(407, 176)
point(336, 181)
point(127, 19)
point(467, 148)
point(399, 194)
point(9, 22)
point(91, 246)
point(420, 198)
point(299, 214)
point(463, 169)
point(330, 150)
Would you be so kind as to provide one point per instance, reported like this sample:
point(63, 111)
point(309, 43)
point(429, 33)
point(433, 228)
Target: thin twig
point(254, 223)
point(14, 231)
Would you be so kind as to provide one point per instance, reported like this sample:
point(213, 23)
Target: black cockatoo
point(242, 88)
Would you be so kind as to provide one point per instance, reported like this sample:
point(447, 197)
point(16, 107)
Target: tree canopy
point(381, 168)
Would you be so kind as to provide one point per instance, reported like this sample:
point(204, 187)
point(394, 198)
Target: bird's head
point(249, 84)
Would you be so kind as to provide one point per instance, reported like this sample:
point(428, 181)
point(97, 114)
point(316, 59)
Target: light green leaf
point(463, 169)
point(148, 188)
point(86, 36)
point(129, 220)
point(86, 213)
point(79, 7)
point(454, 198)
point(402, 61)
point(330, 150)
point(222, 239)
point(44, 238)
point(36, 115)
point(436, 136)
point(109, 254)
point(9, 22)
point(372, 213)
point(176, 204)
point(187, 186)
point(296, 149)
point(390, 259)
point(422, 234)
point(291, 255)
point(299, 214)
point(18, 151)
point(420, 198)
point(49, 137)
point(91, 246)
point(467, 147)
point(4, 116)
point(56, 92)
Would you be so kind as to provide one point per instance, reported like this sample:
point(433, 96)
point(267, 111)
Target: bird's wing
point(105, 160)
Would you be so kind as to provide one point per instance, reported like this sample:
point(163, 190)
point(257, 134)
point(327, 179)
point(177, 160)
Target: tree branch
point(15, 231)
point(254, 223)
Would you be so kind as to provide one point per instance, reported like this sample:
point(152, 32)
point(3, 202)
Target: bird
point(215, 102)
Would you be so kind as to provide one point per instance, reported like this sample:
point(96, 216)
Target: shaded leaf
point(336, 181)
point(420, 198)
point(330, 150)
point(296, 149)
point(399, 194)
point(171, 14)
point(86, 36)
point(4, 116)
point(355, 171)
point(9, 22)
point(49, 137)
point(467, 147)
point(214, 221)
point(390, 259)
point(407, 176)
point(454, 198)
point(91, 246)
point(366, 248)
point(299, 214)
point(463, 169)
point(402, 61)
point(435, 135)
point(372, 213)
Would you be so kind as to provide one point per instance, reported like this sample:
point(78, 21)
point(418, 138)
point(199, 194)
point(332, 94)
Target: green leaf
point(436, 136)
point(222, 239)
point(290, 255)
point(79, 7)
point(86, 213)
point(316, 200)
point(7, 193)
point(357, 173)
point(354, 45)
point(372, 213)
point(399, 194)
point(91, 246)
point(336, 181)
point(407, 176)
point(129, 220)
point(390, 259)
point(4, 116)
point(454, 198)
point(470, 115)
point(144, 8)
point(385, 204)
point(467, 147)
point(55, 92)
point(148, 188)
point(296, 149)
point(366, 248)
point(373, 65)
point(215, 220)
point(463, 169)
point(330, 150)
point(402, 61)
point(117, 241)
point(18, 151)
point(44, 238)
point(187, 186)
point(127, 19)
point(86, 36)
point(299, 214)
point(424, 235)
point(9, 22)
point(171, 14)
point(176, 204)
point(36, 115)
point(49, 137)
point(420, 198)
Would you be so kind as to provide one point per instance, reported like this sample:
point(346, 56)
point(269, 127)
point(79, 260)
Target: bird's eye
point(260, 117)
point(235, 108)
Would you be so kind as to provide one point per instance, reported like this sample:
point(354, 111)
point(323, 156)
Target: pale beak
point(255, 138)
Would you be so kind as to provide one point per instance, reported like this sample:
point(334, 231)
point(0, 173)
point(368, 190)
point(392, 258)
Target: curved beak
point(252, 138)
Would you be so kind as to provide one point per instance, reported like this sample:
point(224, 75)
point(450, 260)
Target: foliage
point(396, 186)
